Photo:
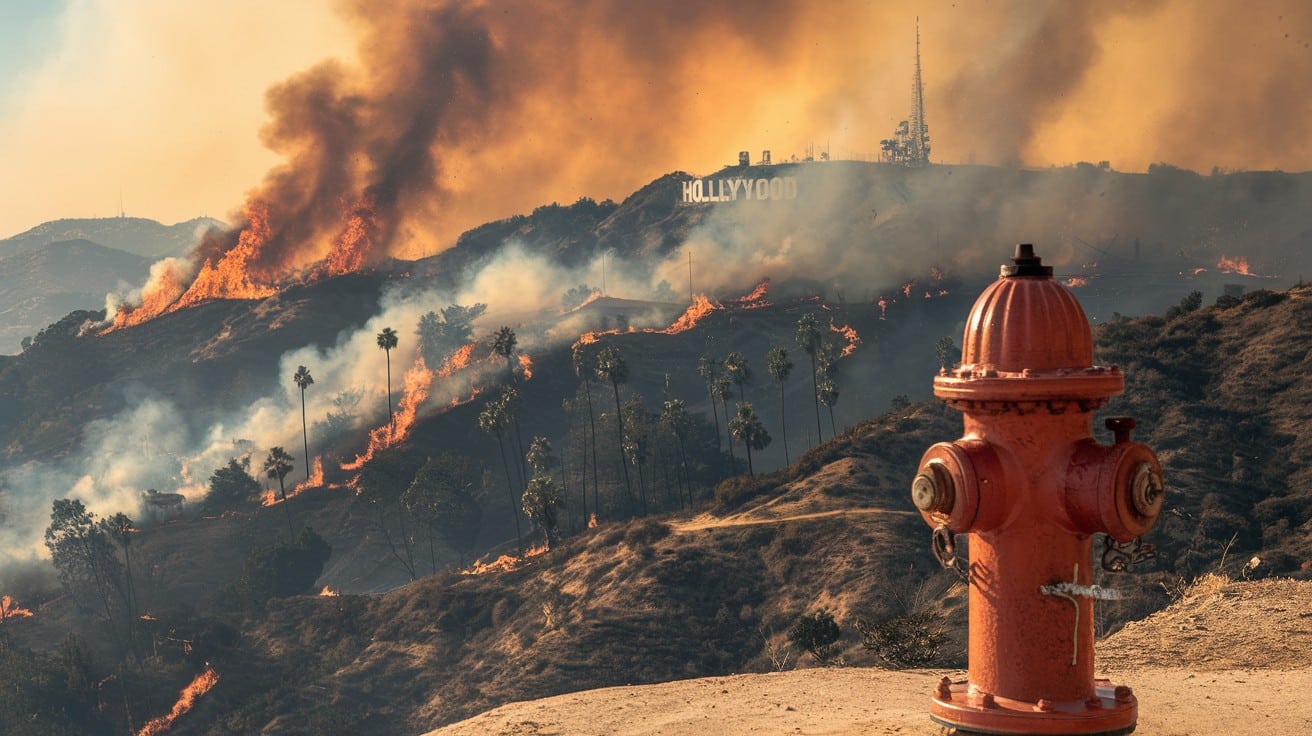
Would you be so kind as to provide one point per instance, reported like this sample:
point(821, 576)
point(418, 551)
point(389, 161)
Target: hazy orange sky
point(165, 101)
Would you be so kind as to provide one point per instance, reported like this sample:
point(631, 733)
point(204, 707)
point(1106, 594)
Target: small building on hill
point(157, 507)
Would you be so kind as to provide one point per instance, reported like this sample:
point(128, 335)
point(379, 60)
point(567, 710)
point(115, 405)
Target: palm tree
point(503, 344)
point(746, 426)
point(277, 465)
point(709, 369)
point(493, 421)
point(387, 341)
point(723, 392)
point(509, 402)
point(827, 394)
point(304, 380)
point(808, 338)
point(675, 416)
point(611, 367)
point(780, 367)
point(735, 364)
point(579, 357)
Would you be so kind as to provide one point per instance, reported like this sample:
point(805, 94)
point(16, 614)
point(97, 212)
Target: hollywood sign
point(732, 190)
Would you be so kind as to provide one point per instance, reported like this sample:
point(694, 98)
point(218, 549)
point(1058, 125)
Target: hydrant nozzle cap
point(1025, 263)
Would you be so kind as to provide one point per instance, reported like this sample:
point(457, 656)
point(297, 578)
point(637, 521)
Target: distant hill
point(137, 235)
point(65, 265)
point(43, 284)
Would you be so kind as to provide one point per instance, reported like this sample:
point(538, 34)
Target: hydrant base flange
point(1112, 712)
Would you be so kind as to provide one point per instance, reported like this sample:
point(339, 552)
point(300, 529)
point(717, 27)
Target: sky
point(178, 110)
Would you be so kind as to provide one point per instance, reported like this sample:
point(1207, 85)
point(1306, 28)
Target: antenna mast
point(919, 130)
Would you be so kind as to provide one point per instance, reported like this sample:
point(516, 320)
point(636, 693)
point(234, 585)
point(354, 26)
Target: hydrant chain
point(944, 544)
point(1120, 556)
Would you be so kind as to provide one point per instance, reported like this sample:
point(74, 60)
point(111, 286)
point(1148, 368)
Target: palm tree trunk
point(815, 396)
point(596, 477)
point(783, 421)
point(832, 427)
point(750, 471)
point(389, 385)
point(733, 459)
point(583, 477)
point(282, 490)
point(715, 415)
point(305, 436)
point(619, 421)
point(514, 508)
point(687, 479)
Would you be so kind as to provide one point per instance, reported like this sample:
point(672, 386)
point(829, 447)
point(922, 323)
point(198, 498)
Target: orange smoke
point(504, 563)
point(9, 609)
point(849, 333)
point(203, 683)
point(418, 380)
point(1238, 265)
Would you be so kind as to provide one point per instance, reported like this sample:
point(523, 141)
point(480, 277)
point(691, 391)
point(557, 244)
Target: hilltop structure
point(909, 145)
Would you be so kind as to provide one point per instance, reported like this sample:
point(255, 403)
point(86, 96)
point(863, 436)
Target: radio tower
point(909, 145)
point(919, 152)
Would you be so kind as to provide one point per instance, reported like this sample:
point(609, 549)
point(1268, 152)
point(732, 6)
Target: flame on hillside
point(459, 360)
point(526, 363)
point(1076, 282)
point(314, 481)
point(883, 307)
point(756, 298)
point(228, 276)
point(203, 683)
point(352, 245)
point(9, 609)
point(504, 563)
point(1238, 264)
point(849, 333)
point(701, 306)
point(418, 380)
point(328, 592)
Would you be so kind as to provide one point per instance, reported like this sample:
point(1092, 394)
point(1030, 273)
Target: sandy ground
point(852, 701)
point(1229, 658)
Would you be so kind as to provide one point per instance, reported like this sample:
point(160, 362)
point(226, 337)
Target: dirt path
point(861, 701)
point(706, 521)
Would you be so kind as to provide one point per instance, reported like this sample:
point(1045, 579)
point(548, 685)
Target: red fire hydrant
point(1030, 485)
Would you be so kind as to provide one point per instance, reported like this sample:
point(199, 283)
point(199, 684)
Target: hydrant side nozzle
point(932, 490)
point(1120, 428)
point(1116, 490)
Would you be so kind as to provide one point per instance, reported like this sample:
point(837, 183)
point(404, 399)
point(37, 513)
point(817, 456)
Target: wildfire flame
point(352, 244)
point(504, 563)
point(459, 360)
point(230, 277)
point(205, 681)
point(9, 609)
point(849, 333)
point(526, 363)
point(906, 289)
point(756, 298)
point(883, 307)
point(1238, 264)
point(700, 307)
point(418, 380)
point(314, 481)
point(328, 592)
point(1076, 281)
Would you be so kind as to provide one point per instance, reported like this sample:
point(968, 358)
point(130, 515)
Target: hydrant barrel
point(1030, 485)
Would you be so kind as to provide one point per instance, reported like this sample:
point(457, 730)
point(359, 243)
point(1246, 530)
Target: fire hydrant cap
point(1026, 320)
